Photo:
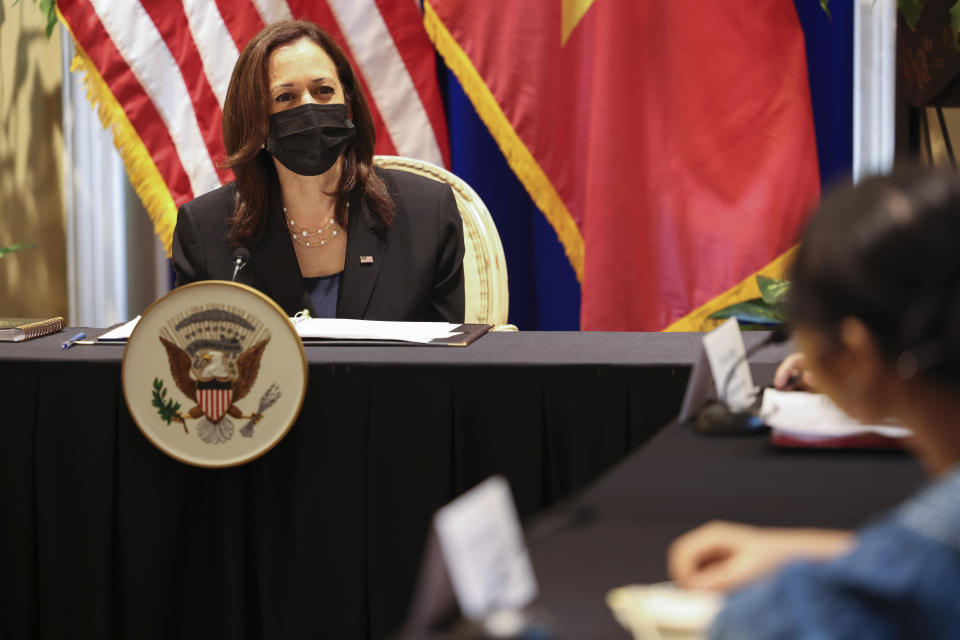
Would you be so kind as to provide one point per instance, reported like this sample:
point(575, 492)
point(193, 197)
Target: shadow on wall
point(33, 282)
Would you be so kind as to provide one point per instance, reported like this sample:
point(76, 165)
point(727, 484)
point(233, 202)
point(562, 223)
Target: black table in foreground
point(101, 535)
point(618, 531)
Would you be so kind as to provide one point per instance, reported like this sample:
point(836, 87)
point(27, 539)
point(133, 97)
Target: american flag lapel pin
point(366, 259)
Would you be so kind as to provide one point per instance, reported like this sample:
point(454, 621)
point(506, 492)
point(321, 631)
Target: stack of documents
point(801, 419)
point(340, 329)
point(345, 329)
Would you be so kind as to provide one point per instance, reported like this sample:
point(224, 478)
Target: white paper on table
point(347, 329)
point(664, 610)
point(726, 353)
point(122, 332)
point(815, 415)
point(484, 550)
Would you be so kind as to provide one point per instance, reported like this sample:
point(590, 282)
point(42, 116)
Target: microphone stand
point(717, 417)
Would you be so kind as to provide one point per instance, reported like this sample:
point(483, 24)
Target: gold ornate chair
point(484, 265)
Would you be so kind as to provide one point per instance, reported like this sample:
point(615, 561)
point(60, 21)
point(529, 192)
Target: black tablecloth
point(104, 536)
point(618, 531)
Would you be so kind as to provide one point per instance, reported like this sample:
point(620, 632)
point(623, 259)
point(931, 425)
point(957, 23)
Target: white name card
point(484, 551)
point(728, 363)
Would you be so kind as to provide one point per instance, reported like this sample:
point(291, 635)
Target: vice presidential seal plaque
point(214, 374)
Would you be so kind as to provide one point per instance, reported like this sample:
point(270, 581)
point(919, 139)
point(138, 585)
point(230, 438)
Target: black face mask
point(308, 139)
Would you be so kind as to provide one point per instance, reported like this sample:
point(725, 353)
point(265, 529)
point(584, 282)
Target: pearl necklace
point(312, 238)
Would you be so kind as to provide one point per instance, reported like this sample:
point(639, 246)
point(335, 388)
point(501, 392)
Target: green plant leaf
point(15, 247)
point(826, 9)
point(773, 291)
point(911, 10)
point(955, 23)
point(756, 327)
point(49, 9)
point(754, 311)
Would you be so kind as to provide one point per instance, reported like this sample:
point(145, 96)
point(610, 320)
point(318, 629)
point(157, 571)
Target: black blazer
point(417, 267)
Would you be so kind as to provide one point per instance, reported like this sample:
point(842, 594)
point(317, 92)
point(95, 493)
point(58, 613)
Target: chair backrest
point(484, 265)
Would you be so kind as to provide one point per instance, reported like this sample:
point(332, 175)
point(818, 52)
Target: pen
point(69, 343)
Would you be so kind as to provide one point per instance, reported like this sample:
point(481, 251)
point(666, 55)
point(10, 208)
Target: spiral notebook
point(20, 329)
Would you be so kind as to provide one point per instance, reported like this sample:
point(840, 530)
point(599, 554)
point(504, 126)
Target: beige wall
point(952, 118)
point(32, 282)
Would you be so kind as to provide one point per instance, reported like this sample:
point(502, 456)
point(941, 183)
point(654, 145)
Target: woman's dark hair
point(888, 253)
point(246, 121)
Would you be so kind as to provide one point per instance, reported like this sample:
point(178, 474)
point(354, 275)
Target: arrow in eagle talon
point(270, 396)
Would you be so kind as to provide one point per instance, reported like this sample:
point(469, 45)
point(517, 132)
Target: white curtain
point(874, 86)
point(115, 264)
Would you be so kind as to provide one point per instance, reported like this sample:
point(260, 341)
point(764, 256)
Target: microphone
point(717, 417)
point(779, 335)
point(240, 258)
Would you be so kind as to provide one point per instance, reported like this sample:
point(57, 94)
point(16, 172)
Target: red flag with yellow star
point(670, 144)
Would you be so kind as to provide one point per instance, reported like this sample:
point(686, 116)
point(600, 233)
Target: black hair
point(888, 253)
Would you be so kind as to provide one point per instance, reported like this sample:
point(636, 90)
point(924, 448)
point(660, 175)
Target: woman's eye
point(283, 97)
point(324, 90)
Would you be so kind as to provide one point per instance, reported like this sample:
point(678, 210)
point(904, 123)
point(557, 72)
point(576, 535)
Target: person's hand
point(725, 555)
point(793, 375)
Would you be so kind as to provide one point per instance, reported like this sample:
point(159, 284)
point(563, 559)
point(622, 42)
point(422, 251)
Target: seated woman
point(875, 302)
point(325, 230)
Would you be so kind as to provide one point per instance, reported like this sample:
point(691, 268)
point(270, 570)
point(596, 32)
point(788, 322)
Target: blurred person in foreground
point(875, 302)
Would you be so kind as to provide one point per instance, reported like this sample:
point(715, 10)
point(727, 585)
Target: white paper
point(484, 551)
point(725, 352)
point(664, 611)
point(341, 329)
point(815, 415)
point(122, 332)
point(346, 329)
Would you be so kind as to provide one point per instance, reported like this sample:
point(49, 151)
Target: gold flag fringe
point(518, 156)
point(143, 173)
point(747, 289)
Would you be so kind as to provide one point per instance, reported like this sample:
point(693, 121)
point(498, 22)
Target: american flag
point(158, 71)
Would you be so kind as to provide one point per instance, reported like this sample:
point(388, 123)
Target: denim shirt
point(901, 580)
